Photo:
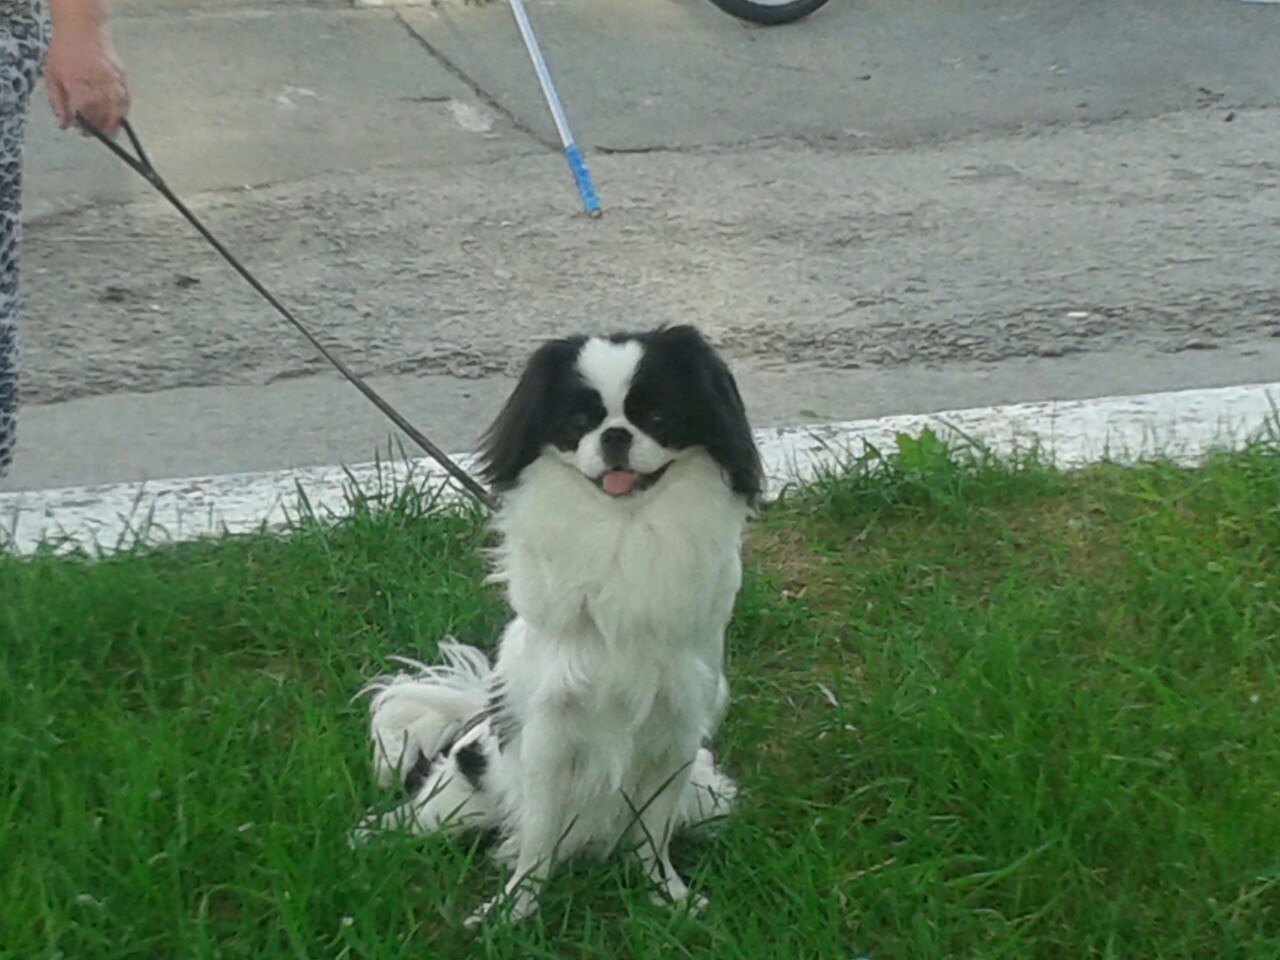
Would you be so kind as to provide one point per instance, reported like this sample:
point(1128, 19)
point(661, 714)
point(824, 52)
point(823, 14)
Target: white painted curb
point(1182, 425)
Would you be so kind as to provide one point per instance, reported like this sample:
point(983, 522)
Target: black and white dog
point(626, 470)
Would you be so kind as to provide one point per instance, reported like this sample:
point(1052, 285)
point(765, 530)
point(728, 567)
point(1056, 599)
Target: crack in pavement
point(484, 95)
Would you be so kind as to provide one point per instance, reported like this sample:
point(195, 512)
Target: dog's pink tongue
point(618, 483)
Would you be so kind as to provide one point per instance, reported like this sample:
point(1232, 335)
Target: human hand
point(83, 76)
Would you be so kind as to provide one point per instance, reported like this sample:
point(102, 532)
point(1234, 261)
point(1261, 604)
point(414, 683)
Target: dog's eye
point(653, 421)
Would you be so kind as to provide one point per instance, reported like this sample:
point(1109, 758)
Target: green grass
point(981, 709)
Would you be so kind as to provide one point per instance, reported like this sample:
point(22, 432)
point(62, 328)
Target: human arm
point(82, 73)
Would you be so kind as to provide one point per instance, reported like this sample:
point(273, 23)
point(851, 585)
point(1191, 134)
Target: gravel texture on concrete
point(888, 208)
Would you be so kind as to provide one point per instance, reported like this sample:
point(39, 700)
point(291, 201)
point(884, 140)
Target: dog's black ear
point(726, 434)
point(517, 436)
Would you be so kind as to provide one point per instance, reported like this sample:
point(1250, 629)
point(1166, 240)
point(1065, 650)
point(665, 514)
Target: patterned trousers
point(24, 38)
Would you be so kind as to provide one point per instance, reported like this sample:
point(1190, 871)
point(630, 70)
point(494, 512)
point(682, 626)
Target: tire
point(769, 12)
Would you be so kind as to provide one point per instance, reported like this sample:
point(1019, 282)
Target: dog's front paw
point(692, 903)
point(504, 908)
point(367, 830)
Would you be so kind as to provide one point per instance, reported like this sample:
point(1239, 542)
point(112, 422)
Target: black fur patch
point(683, 395)
point(418, 773)
point(550, 404)
point(471, 762)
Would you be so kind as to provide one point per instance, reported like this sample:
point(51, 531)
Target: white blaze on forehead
point(610, 367)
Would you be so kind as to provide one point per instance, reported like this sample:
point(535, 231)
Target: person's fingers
point(113, 94)
point(100, 112)
point(103, 103)
point(58, 100)
point(122, 101)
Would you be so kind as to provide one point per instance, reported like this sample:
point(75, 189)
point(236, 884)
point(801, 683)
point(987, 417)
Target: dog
point(625, 470)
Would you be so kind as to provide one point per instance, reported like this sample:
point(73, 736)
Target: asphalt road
point(889, 208)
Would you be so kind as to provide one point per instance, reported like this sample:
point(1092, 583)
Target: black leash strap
point(140, 164)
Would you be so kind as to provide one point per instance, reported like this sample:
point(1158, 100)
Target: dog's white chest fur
point(588, 568)
point(621, 611)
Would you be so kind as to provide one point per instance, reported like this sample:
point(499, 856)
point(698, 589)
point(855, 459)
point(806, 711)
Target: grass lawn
point(981, 710)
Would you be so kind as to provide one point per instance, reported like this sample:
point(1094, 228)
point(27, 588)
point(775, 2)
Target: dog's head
point(621, 410)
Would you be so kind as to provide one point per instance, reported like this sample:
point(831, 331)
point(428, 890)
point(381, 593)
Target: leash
point(141, 165)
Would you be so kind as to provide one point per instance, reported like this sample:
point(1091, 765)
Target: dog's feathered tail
point(414, 715)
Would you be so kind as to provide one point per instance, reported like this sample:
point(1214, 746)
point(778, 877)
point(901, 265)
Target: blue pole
point(577, 164)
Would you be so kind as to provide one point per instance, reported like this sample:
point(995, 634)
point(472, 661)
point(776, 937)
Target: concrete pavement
point(1184, 426)
point(889, 208)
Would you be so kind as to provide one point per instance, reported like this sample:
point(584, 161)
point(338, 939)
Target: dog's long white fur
point(611, 672)
point(589, 730)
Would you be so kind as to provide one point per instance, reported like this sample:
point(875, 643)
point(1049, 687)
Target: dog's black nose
point(615, 443)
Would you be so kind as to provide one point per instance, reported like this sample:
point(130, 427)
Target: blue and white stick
point(581, 175)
